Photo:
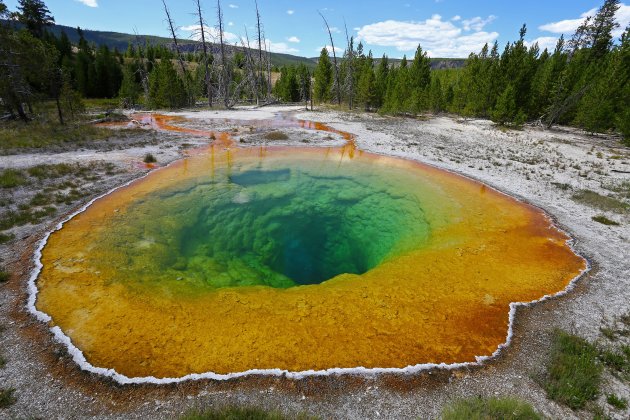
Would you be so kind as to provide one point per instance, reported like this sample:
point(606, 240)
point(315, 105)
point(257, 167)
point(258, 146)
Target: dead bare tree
point(206, 63)
point(173, 31)
point(171, 26)
point(251, 67)
point(225, 79)
point(260, 42)
point(349, 57)
point(268, 63)
point(332, 44)
point(140, 67)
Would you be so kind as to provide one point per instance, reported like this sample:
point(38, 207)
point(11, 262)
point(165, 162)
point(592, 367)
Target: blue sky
point(445, 28)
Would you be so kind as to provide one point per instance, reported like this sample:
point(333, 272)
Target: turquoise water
point(277, 223)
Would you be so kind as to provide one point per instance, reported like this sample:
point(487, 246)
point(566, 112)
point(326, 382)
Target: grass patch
point(602, 202)
point(617, 402)
point(478, 408)
point(276, 135)
point(52, 171)
point(574, 373)
point(11, 178)
point(25, 216)
point(3, 361)
point(4, 238)
point(622, 188)
point(4, 275)
point(149, 158)
point(234, 413)
point(38, 134)
point(604, 220)
point(7, 398)
point(614, 360)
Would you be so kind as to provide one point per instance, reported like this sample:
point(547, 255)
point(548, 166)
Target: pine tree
point(506, 111)
point(167, 90)
point(323, 77)
point(419, 81)
point(380, 83)
point(35, 15)
point(130, 89)
point(366, 86)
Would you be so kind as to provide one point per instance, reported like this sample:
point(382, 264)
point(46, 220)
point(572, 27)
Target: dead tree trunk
point(224, 83)
point(141, 69)
point(202, 29)
point(252, 68)
point(260, 41)
point(171, 26)
point(332, 44)
point(350, 68)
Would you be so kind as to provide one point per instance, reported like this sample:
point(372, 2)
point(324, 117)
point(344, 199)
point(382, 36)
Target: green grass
point(7, 398)
point(617, 402)
point(4, 275)
point(25, 216)
point(478, 408)
point(234, 413)
point(4, 238)
point(604, 220)
point(614, 360)
point(37, 134)
point(601, 202)
point(622, 188)
point(149, 158)
point(574, 373)
point(11, 178)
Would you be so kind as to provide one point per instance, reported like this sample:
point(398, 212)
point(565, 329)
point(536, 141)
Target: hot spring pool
point(296, 259)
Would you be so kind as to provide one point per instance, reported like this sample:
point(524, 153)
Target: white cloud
point(456, 18)
point(438, 37)
point(568, 26)
point(281, 47)
point(294, 39)
point(477, 23)
point(230, 23)
point(211, 32)
point(290, 12)
point(233, 6)
point(89, 3)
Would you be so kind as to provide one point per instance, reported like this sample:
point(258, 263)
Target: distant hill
point(121, 41)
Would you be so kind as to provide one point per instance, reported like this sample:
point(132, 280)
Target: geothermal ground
point(564, 172)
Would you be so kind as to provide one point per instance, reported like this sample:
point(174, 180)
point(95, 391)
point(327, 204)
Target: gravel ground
point(545, 168)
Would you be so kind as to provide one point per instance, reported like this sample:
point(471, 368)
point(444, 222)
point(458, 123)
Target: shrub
point(149, 158)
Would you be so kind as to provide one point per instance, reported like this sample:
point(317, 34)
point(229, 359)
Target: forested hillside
point(584, 81)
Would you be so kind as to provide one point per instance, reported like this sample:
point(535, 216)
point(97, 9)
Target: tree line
point(35, 66)
point(584, 82)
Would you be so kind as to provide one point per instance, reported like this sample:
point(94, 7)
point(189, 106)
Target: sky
point(444, 28)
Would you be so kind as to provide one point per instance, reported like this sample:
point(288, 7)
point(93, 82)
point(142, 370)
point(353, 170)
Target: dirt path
point(547, 168)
